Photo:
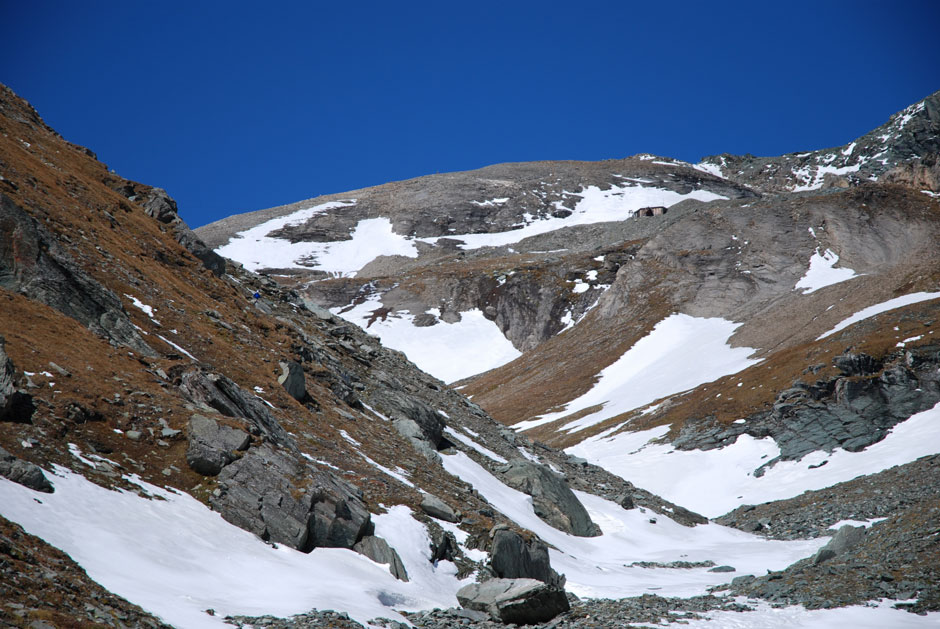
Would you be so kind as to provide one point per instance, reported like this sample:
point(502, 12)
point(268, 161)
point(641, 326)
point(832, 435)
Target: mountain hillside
point(350, 411)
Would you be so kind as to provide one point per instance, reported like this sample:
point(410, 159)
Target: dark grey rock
point(398, 405)
point(378, 550)
point(212, 446)
point(292, 379)
point(222, 394)
point(517, 601)
point(552, 499)
point(32, 263)
point(844, 539)
point(512, 557)
point(276, 495)
point(722, 569)
point(437, 508)
point(23, 472)
point(15, 405)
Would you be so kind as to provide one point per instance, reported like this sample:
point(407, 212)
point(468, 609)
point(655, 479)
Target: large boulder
point(23, 472)
point(15, 406)
point(212, 446)
point(412, 417)
point(517, 601)
point(293, 381)
point(512, 557)
point(378, 550)
point(278, 496)
point(32, 263)
point(552, 499)
point(845, 538)
point(437, 508)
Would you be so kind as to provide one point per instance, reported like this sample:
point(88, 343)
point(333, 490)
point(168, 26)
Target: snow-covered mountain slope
point(207, 442)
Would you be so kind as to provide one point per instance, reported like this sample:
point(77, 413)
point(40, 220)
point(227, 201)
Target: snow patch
point(449, 351)
point(822, 272)
point(680, 353)
point(877, 309)
point(713, 482)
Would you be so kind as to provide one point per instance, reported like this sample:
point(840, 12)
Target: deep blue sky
point(235, 107)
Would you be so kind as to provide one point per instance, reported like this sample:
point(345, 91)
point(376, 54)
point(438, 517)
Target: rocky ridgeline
point(888, 152)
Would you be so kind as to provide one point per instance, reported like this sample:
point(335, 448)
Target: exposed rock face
point(851, 411)
point(33, 263)
point(552, 499)
point(908, 135)
point(23, 472)
point(921, 174)
point(512, 557)
point(212, 446)
point(162, 207)
point(222, 394)
point(281, 499)
point(516, 601)
point(15, 405)
point(378, 550)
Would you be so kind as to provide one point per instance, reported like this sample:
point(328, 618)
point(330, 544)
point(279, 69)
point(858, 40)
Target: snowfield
point(599, 567)
point(449, 351)
point(713, 482)
point(680, 353)
point(176, 558)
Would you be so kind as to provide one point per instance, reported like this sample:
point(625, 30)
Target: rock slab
point(516, 601)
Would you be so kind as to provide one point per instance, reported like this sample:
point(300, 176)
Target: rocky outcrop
point(213, 446)
point(277, 496)
point(15, 405)
point(512, 557)
point(221, 393)
point(552, 499)
point(516, 601)
point(23, 472)
point(851, 411)
point(378, 550)
point(162, 207)
point(33, 264)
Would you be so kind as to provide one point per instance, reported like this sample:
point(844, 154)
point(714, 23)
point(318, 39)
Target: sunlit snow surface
point(680, 353)
point(822, 272)
point(374, 237)
point(596, 206)
point(713, 482)
point(599, 567)
point(449, 351)
point(371, 238)
point(176, 558)
point(877, 309)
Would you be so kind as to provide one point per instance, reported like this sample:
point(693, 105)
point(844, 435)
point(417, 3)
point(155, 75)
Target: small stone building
point(658, 210)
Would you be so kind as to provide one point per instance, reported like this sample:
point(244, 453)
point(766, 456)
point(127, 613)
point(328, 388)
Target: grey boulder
point(517, 601)
point(23, 472)
point(213, 446)
point(276, 495)
point(292, 379)
point(378, 550)
point(512, 557)
point(552, 499)
point(844, 539)
point(15, 406)
point(437, 508)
